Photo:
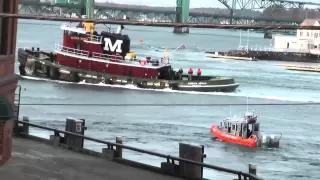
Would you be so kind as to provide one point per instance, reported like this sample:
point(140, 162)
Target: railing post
point(252, 170)
point(25, 127)
point(118, 152)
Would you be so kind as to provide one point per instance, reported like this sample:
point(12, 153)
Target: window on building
point(308, 34)
point(316, 35)
point(301, 33)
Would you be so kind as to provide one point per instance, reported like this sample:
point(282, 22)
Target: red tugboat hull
point(92, 57)
point(250, 142)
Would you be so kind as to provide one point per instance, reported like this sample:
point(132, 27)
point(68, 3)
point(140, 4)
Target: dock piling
point(55, 140)
point(252, 170)
point(111, 153)
point(25, 128)
point(118, 152)
point(108, 153)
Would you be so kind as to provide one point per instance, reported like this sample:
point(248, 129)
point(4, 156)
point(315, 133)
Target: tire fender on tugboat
point(30, 66)
point(54, 73)
point(22, 58)
point(74, 77)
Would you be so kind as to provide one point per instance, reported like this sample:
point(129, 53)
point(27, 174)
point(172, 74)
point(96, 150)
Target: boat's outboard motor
point(269, 140)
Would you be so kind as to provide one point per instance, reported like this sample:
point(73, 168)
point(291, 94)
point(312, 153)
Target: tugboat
point(92, 57)
point(245, 131)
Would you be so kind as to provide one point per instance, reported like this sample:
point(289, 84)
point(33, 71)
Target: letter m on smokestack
point(113, 47)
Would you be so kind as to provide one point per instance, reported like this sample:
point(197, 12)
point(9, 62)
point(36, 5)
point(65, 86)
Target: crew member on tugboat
point(199, 72)
point(180, 72)
point(190, 72)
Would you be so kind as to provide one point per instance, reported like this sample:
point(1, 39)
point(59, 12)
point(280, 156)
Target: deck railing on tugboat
point(94, 39)
point(107, 57)
point(73, 51)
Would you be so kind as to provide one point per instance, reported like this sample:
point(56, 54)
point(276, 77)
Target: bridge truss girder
point(48, 10)
point(238, 20)
point(133, 15)
point(51, 10)
point(259, 4)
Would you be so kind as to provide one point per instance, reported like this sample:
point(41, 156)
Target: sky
point(171, 3)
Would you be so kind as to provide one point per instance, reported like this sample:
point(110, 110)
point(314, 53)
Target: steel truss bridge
point(158, 14)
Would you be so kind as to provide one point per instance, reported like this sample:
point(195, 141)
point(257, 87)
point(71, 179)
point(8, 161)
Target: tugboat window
point(256, 127)
point(233, 127)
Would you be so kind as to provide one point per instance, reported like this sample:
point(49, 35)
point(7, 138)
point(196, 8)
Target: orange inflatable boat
point(244, 131)
point(218, 133)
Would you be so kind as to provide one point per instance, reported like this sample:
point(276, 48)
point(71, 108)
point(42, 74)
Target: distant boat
point(245, 131)
point(217, 55)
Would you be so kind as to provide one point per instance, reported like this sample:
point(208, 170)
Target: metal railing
point(72, 51)
point(271, 49)
point(170, 159)
point(107, 57)
point(94, 39)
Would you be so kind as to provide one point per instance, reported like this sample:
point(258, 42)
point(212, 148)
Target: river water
point(161, 128)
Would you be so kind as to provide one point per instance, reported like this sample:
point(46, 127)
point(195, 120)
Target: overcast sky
point(171, 3)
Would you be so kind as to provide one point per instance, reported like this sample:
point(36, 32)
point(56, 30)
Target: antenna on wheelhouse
point(121, 27)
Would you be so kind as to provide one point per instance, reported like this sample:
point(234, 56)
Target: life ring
point(143, 62)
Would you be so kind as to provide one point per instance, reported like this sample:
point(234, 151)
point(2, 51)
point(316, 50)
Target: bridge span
point(167, 14)
point(161, 24)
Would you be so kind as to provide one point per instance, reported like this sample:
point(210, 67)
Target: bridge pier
point(182, 16)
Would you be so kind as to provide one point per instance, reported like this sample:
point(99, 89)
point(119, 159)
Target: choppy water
point(162, 128)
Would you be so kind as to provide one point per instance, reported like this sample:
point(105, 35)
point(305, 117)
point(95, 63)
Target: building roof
point(310, 22)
